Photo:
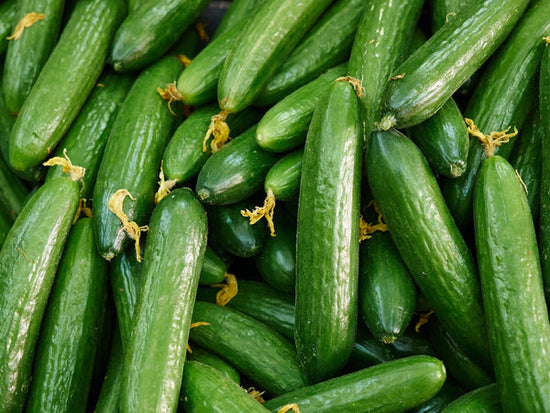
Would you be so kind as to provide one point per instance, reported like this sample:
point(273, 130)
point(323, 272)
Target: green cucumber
point(27, 54)
point(28, 262)
point(132, 156)
point(86, 139)
point(268, 359)
point(234, 172)
point(70, 330)
point(412, 343)
point(327, 242)
point(213, 268)
point(436, 404)
point(388, 387)
point(8, 20)
point(427, 237)
point(150, 30)
point(203, 356)
point(438, 68)
point(174, 253)
point(236, 14)
point(110, 390)
point(285, 125)
point(283, 179)
point(13, 193)
point(511, 282)
point(444, 11)
point(266, 40)
point(5, 225)
point(368, 351)
point(482, 400)
point(133, 5)
point(65, 82)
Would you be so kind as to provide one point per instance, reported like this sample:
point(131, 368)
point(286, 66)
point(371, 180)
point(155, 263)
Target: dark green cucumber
point(234, 172)
point(393, 386)
point(13, 193)
point(327, 243)
point(387, 295)
point(236, 14)
point(213, 268)
point(5, 225)
point(436, 404)
point(496, 106)
point(109, 395)
point(203, 356)
point(444, 11)
point(174, 253)
point(132, 156)
point(70, 330)
point(327, 44)
point(285, 125)
point(368, 351)
point(412, 343)
point(28, 262)
point(82, 47)
point(284, 177)
point(150, 30)
point(268, 359)
point(27, 54)
point(436, 70)
point(511, 282)
point(86, 139)
point(184, 156)
point(482, 400)
point(266, 40)
point(205, 389)
point(427, 237)
point(8, 20)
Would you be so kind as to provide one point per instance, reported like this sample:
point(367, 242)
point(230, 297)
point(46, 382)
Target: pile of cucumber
point(308, 206)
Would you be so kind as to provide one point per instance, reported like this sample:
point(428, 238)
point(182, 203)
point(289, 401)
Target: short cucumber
point(482, 400)
point(13, 193)
point(236, 14)
point(8, 20)
point(284, 177)
point(203, 356)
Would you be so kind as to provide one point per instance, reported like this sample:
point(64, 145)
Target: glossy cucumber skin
point(208, 390)
point(236, 14)
point(327, 242)
point(285, 125)
point(12, 193)
point(70, 330)
point(482, 400)
point(327, 44)
point(544, 234)
point(8, 16)
point(511, 282)
point(38, 234)
point(86, 139)
point(427, 237)
point(268, 359)
point(234, 172)
point(393, 386)
point(213, 268)
point(264, 43)
point(284, 177)
point(162, 316)
point(150, 30)
point(436, 70)
point(132, 155)
point(387, 294)
point(26, 55)
point(82, 47)
point(496, 106)
point(203, 356)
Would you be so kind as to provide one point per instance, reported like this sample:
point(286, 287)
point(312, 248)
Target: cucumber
point(368, 351)
point(412, 343)
point(264, 43)
point(283, 179)
point(213, 268)
point(110, 390)
point(8, 19)
point(28, 262)
point(204, 357)
point(268, 359)
point(327, 44)
point(151, 380)
point(82, 47)
point(511, 282)
point(393, 386)
point(70, 330)
point(436, 404)
point(236, 14)
point(27, 54)
point(482, 400)
point(13, 193)
point(327, 242)
point(285, 125)
point(86, 139)
point(5, 226)
point(436, 70)
point(150, 30)
point(427, 237)
point(132, 155)
point(444, 11)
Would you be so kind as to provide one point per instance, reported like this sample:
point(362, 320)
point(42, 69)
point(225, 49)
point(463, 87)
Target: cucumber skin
point(5, 226)
point(427, 237)
point(284, 177)
point(445, 10)
point(8, 16)
point(393, 386)
point(513, 295)
point(544, 217)
point(436, 70)
point(236, 14)
point(27, 55)
point(110, 389)
point(482, 400)
point(203, 356)
point(13, 193)
point(70, 330)
point(83, 46)
point(162, 316)
point(132, 155)
point(40, 231)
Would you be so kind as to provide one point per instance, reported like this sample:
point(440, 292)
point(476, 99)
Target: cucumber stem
point(387, 122)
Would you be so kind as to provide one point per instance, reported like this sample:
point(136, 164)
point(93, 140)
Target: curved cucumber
point(284, 177)
point(482, 400)
point(203, 356)
point(8, 20)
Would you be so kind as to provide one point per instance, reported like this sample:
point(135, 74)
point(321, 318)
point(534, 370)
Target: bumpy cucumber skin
point(482, 400)
point(28, 262)
point(203, 356)
point(151, 379)
point(393, 386)
point(131, 159)
point(82, 47)
point(436, 70)
point(544, 217)
point(284, 177)
point(327, 242)
point(150, 30)
point(236, 14)
point(513, 295)
point(70, 331)
point(427, 237)
point(26, 55)
point(8, 16)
